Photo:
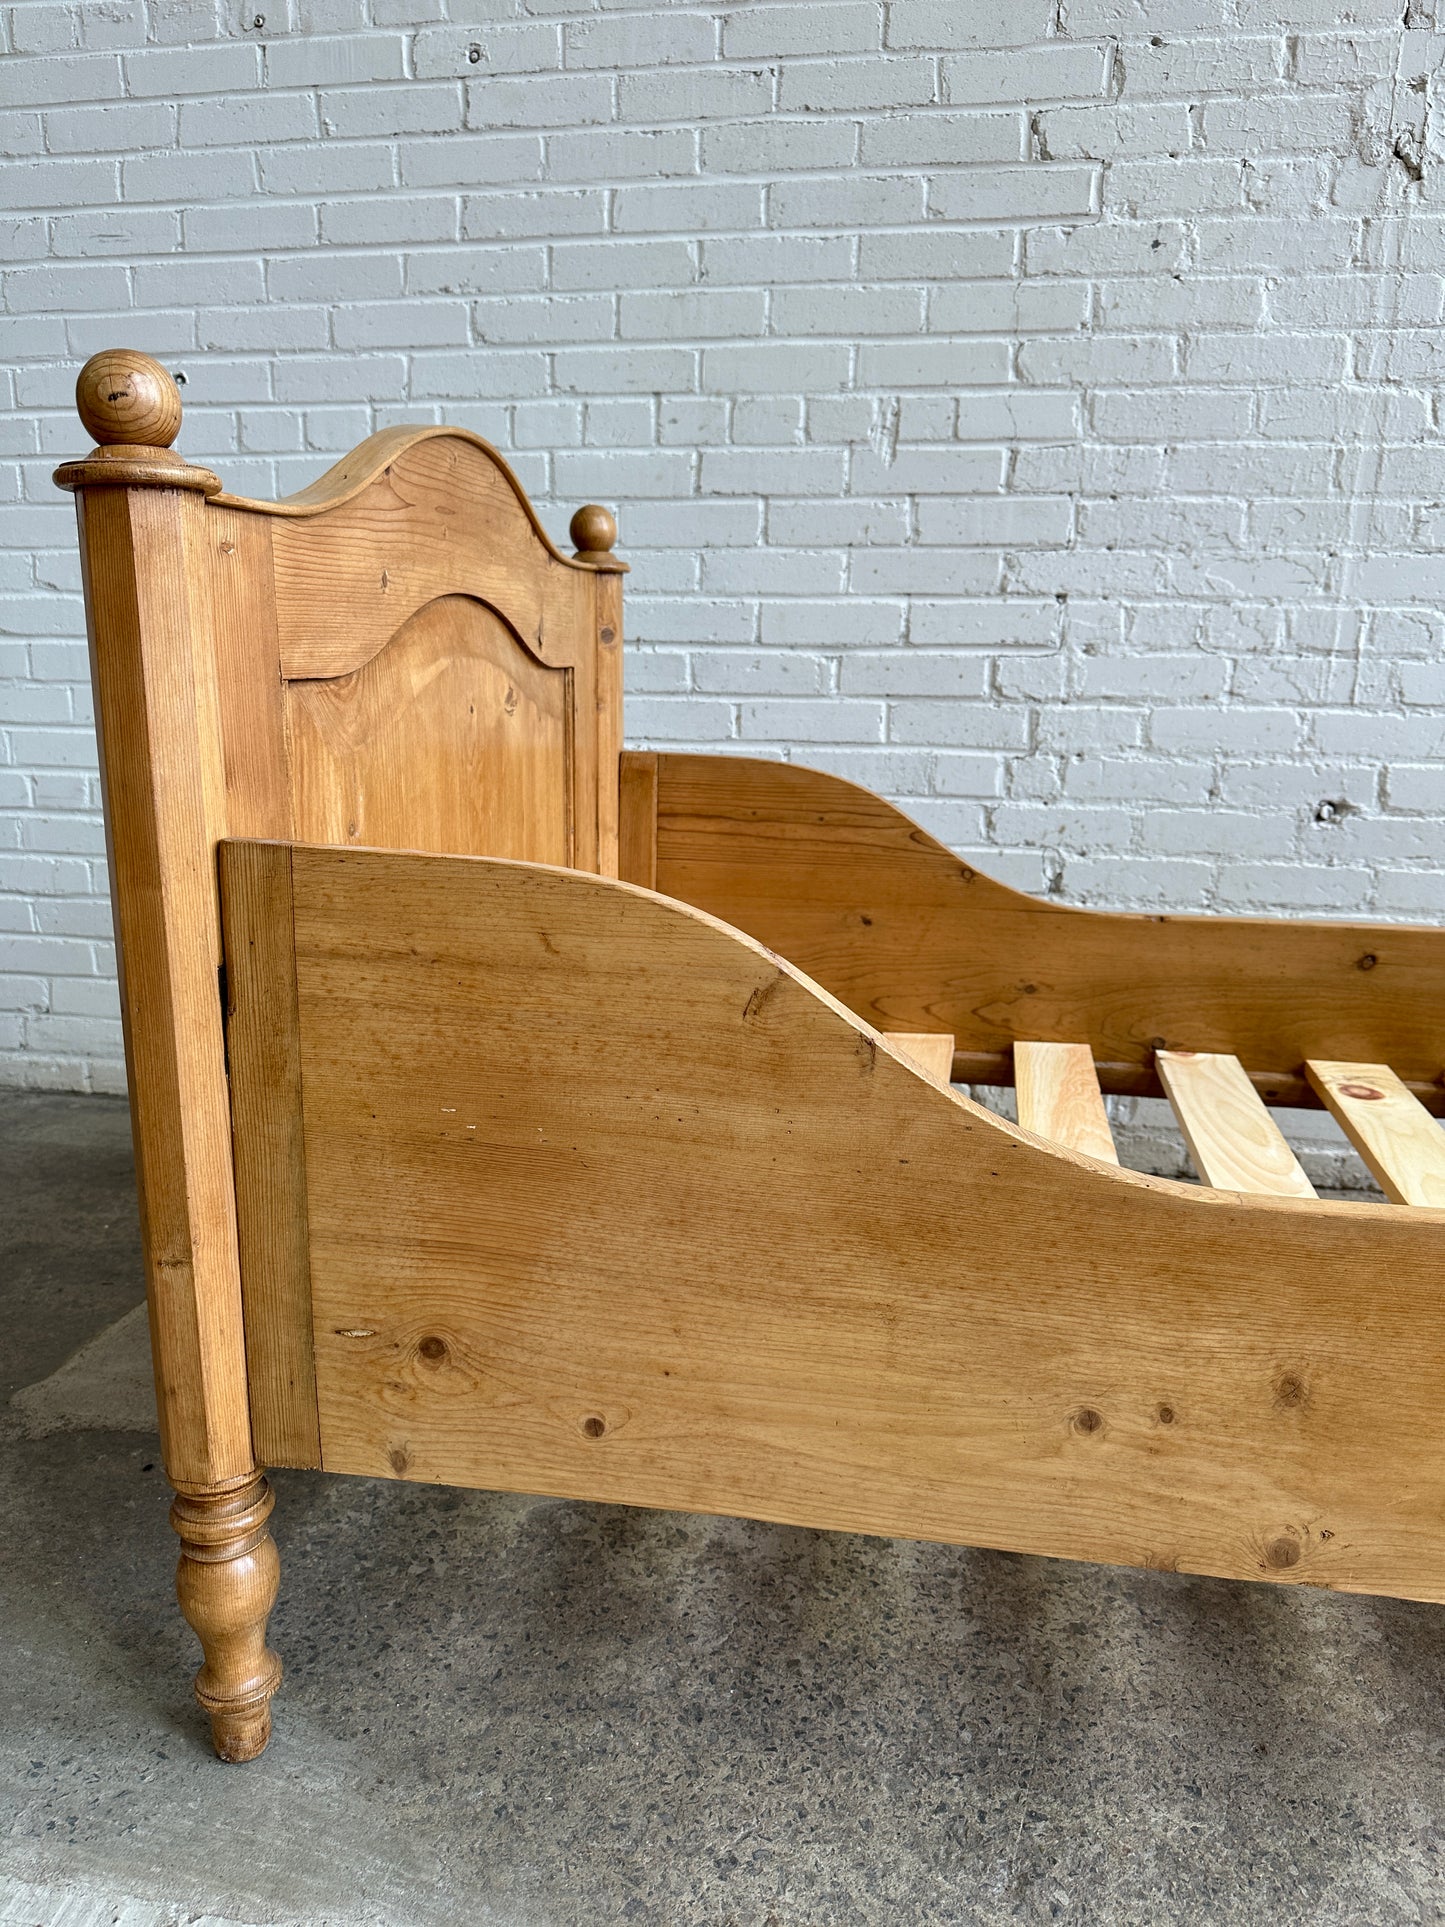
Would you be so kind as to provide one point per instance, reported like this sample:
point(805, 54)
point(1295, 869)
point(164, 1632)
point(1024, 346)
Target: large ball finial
point(126, 399)
point(593, 531)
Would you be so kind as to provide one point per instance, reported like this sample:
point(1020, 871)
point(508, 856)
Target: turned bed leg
point(226, 1582)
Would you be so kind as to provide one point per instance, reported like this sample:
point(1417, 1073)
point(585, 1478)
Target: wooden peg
point(226, 1583)
point(132, 407)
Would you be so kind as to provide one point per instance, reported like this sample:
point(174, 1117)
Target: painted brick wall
point(1031, 409)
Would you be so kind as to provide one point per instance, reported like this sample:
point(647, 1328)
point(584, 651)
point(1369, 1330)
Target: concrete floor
point(538, 1713)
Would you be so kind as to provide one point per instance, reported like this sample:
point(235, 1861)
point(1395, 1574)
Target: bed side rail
point(912, 937)
point(593, 1196)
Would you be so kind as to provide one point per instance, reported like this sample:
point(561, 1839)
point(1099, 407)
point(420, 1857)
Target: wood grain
point(443, 517)
point(1059, 1098)
point(913, 938)
point(931, 1052)
point(607, 705)
point(164, 796)
point(455, 739)
point(1400, 1142)
point(1234, 1141)
point(270, 1152)
point(637, 844)
point(608, 1202)
point(201, 606)
point(162, 723)
point(235, 577)
point(226, 1582)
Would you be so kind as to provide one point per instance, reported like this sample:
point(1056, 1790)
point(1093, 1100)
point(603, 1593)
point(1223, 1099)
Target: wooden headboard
point(397, 656)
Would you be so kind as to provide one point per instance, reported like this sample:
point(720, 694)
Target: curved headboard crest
point(401, 655)
point(411, 514)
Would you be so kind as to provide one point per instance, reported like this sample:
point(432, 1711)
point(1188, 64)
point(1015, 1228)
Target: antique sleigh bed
point(513, 1111)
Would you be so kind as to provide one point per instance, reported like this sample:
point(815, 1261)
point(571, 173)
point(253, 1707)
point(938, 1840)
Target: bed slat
point(1059, 1098)
point(1231, 1136)
point(1389, 1127)
point(931, 1051)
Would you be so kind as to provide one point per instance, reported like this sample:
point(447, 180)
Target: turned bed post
point(142, 511)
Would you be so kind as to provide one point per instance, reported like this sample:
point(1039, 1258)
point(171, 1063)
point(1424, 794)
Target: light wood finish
point(416, 575)
point(420, 588)
point(1234, 1141)
point(1397, 1138)
point(1059, 1098)
point(125, 400)
point(526, 1178)
point(637, 835)
point(270, 1153)
point(522, 1087)
point(398, 652)
point(607, 705)
point(226, 1583)
point(931, 1052)
point(396, 538)
point(594, 532)
point(913, 938)
point(162, 771)
point(363, 746)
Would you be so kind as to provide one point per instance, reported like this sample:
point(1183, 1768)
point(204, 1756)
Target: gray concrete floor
point(538, 1713)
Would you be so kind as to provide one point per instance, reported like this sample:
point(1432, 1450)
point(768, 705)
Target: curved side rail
point(598, 1197)
point(912, 937)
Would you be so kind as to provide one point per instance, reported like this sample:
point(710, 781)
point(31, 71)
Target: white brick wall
point(1029, 407)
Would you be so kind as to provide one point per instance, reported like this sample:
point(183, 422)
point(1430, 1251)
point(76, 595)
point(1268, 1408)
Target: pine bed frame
point(513, 1111)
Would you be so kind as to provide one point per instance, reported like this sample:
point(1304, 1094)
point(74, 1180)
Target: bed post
point(143, 537)
point(594, 530)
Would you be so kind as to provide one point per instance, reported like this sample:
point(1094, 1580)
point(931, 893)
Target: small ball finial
point(593, 530)
point(126, 399)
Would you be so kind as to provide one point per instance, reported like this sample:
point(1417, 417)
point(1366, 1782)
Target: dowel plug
point(593, 531)
point(126, 398)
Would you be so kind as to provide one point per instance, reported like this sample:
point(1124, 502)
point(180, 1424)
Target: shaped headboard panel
point(453, 737)
point(449, 682)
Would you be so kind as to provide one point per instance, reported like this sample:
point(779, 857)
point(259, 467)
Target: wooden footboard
point(589, 1194)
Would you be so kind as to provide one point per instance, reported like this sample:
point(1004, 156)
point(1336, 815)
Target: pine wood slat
point(1231, 1136)
point(931, 1051)
point(1059, 1098)
point(1392, 1131)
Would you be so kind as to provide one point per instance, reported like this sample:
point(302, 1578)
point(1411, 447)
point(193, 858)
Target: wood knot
point(1368, 961)
point(1165, 1415)
point(399, 1459)
point(1290, 1391)
point(593, 1427)
point(1363, 1091)
point(1283, 1552)
point(432, 1349)
point(1087, 1420)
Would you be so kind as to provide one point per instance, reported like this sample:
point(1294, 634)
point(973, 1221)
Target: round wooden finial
point(593, 530)
point(126, 399)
